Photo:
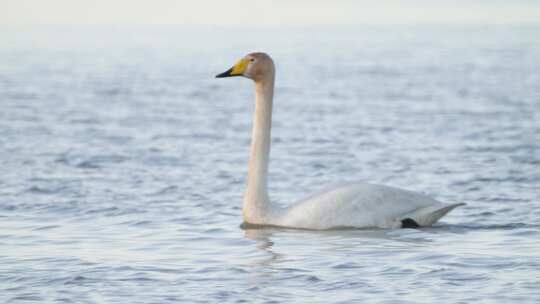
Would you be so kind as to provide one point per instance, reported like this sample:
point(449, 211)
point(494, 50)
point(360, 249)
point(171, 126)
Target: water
point(123, 164)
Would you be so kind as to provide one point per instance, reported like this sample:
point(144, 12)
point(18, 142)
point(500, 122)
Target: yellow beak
point(237, 70)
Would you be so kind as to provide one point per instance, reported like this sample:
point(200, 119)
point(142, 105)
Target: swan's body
point(358, 205)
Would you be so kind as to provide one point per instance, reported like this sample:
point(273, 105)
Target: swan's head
point(255, 66)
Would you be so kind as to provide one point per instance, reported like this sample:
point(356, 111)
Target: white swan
point(357, 205)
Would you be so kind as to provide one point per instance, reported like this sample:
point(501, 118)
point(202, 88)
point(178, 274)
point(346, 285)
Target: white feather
point(359, 205)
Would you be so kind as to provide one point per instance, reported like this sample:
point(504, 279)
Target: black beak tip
point(225, 74)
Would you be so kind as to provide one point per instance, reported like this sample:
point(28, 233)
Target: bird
point(353, 205)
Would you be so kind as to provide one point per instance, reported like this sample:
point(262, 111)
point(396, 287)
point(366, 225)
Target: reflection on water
point(261, 236)
point(263, 242)
point(123, 164)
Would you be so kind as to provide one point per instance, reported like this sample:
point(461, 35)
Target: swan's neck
point(257, 205)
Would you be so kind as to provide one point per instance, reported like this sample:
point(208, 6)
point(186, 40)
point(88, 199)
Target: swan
point(357, 205)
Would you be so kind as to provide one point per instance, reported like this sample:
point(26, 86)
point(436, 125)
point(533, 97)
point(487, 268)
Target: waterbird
point(354, 205)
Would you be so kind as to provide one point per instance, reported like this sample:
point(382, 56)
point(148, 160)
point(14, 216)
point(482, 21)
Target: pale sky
point(265, 13)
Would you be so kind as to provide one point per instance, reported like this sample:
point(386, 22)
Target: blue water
point(123, 164)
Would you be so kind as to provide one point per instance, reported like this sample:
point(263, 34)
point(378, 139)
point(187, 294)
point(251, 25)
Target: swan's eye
point(252, 60)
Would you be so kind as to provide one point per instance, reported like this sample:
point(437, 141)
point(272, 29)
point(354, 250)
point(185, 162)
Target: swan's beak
point(237, 70)
point(227, 73)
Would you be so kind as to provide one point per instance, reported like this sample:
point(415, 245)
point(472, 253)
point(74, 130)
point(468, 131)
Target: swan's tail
point(427, 216)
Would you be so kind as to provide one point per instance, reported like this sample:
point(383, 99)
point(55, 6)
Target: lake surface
point(124, 161)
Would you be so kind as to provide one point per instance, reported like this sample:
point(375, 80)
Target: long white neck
point(257, 205)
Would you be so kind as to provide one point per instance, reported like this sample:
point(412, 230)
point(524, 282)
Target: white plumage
point(358, 205)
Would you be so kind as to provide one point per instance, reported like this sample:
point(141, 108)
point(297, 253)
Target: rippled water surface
point(123, 164)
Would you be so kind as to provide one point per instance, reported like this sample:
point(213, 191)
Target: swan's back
point(364, 205)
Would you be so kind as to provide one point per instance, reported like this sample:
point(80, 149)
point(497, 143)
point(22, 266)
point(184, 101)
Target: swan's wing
point(364, 205)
